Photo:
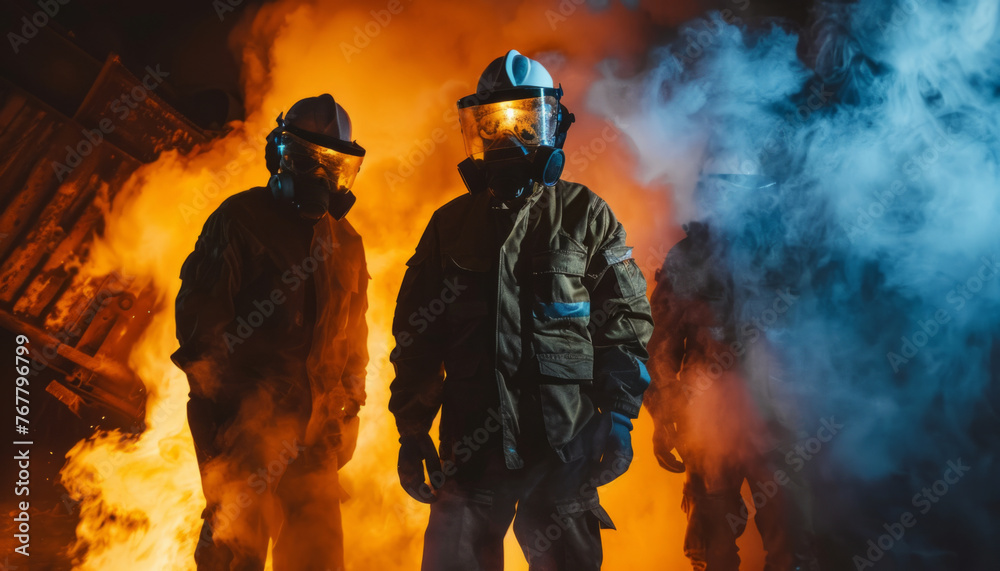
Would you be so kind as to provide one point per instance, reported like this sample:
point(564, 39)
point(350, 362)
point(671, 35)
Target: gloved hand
point(351, 409)
point(206, 424)
point(664, 442)
point(618, 454)
point(348, 440)
point(349, 426)
point(414, 453)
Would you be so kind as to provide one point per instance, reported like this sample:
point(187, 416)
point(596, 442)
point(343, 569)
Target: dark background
point(190, 40)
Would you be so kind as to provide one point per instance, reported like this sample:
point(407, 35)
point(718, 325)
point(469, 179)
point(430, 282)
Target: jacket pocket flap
point(570, 262)
point(589, 504)
point(467, 262)
point(574, 367)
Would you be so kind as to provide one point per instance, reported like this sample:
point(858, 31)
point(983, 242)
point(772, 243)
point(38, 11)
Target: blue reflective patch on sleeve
point(643, 373)
point(558, 310)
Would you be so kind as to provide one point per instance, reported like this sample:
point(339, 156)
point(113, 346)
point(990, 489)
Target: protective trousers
point(265, 487)
point(717, 516)
point(718, 460)
point(553, 504)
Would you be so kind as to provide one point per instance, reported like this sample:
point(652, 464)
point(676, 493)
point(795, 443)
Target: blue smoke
point(881, 126)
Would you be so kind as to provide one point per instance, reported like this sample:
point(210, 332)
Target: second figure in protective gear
point(712, 400)
point(273, 339)
point(523, 318)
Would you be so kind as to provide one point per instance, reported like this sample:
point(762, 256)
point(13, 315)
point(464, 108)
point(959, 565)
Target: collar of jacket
point(473, 251)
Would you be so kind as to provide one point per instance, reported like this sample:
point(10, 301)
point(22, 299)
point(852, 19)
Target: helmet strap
point(565, 120)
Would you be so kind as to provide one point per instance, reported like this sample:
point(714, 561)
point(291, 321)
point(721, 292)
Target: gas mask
point(513, 139)
point(315, 178)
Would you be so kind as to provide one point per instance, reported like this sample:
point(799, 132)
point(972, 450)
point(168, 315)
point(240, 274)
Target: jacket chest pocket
point(561, 315)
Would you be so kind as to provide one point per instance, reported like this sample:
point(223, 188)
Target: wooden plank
point(137, 305)
point(37, 181)
point(114, 169)
point(17, 146)
point(12, 104)
point(40, 240)
point(144, 128)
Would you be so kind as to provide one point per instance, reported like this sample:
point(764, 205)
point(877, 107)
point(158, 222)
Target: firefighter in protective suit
point(271, 324)
point(712, 401)
point(522, 317)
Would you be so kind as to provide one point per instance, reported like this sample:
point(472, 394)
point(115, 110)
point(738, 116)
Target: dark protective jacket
point(269, 301)
point(542, 298)
point(696, 337)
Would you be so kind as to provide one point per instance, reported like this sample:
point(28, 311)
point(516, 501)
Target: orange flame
point(398, 67)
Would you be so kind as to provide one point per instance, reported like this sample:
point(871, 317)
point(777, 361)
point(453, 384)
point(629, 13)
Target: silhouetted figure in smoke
point(271, 323)
point(711, 366)
point(523, 318)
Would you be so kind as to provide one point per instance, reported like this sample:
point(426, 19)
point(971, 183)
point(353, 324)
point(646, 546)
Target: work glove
point(664, 442)
point(414, 453)
point(351, 409)
point(206, 424)
point(617, 456)
point(350, 424)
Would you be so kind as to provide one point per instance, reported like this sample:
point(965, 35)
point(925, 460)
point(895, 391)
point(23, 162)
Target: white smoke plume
point(880, 125)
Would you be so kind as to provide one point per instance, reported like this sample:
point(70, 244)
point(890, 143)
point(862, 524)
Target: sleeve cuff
point(627, 406)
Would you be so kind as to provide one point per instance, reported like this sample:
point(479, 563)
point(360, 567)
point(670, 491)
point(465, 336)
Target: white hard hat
point(513, 70)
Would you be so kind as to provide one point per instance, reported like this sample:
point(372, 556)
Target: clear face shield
point(512, 139)
point(726, 201)
point(497, 129)
point(338, 168)
point(316, 178)
point(719, 192)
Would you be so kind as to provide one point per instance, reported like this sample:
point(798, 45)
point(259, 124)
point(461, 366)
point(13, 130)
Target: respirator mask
point(315, 173)
point(513, 139)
